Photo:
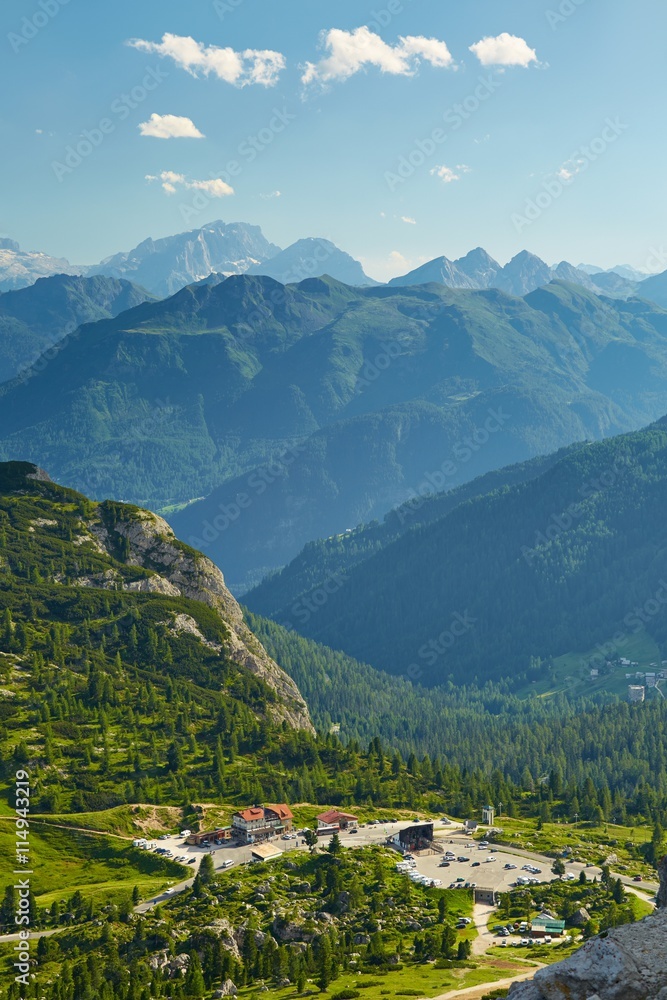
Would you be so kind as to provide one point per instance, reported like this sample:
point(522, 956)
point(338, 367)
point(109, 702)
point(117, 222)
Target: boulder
point(361, 939)
point(158, 961)
point(580, 918)
point(627, 963)
point(228, 989)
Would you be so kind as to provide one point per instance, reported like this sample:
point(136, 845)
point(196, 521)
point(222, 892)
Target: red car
point(637, 878)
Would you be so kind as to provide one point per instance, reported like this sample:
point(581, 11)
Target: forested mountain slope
point(574, 557)
point(299, 411)
point(34, 319)
point(330, 558)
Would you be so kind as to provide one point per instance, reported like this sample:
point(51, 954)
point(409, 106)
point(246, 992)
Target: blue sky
point(577, 133)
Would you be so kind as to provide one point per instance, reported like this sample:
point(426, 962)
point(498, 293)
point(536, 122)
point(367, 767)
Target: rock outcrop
point(178, 570)
point(627, 963)
point(661, 898)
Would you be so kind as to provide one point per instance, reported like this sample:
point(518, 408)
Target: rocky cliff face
point(178, 570)
point(628, 963)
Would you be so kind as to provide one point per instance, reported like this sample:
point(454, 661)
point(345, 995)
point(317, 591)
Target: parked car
point(475, 864)
point(638, 878)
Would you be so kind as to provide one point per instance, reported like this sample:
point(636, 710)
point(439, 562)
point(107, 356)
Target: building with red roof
point(334, 819)
point(262, 822)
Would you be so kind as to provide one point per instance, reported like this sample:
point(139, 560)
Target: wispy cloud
point(448, 175)
point(271, 194)
point(410, 221)
point(170, 127)
point(351, 51)
point(251, 66)
point(504, 50)
point(171, 181)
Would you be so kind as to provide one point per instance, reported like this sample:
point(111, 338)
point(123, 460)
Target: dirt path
point(477, 992)
point(485, 938)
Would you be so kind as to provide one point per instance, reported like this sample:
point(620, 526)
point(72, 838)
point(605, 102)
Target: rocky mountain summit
point(119, 547)
point(627, 963)
point(180, 571)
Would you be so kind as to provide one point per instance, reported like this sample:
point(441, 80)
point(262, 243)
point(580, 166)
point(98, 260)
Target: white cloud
point(39, 131)
point(170, 127)
point(570, 169)
point(258, 66)
point(214, 188)
point(406, 218)
point(396, 259)
point(447, 175)
point(351, 51)
point(271, 194)
point(504, 50)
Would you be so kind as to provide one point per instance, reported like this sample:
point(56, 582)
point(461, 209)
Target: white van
point(227, 864)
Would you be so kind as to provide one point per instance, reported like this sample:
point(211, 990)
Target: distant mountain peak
point(169, 263)
point(313, 257)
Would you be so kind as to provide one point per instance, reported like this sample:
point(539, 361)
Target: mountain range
point(218, 249)
point(165, 265)
point(523, 274)
point(19, 268)
point(34, 319)
point(563, 556)
point(299, 411)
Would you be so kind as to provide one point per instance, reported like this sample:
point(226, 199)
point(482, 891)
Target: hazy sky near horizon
point(399, 129)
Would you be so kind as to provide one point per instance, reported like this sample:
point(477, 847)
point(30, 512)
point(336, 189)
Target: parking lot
point(477, 869)
point(484, 867)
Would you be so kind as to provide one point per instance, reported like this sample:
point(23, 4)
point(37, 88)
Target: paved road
point(34, 935)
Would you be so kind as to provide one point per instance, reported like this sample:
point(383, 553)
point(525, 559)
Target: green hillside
point(574, 560)
point(34, 319)
point(331, 558)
